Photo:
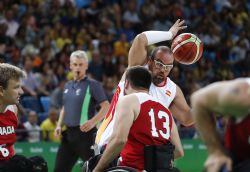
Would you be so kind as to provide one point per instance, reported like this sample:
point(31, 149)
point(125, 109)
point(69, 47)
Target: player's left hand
point(88, 125)
point(216, 161)
point(177, 26)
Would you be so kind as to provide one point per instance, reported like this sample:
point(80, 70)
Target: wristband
point(157, 36)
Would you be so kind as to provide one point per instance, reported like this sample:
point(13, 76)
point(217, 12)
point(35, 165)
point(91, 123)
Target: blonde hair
point(8, 72)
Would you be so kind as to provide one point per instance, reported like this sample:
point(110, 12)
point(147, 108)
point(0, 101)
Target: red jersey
point(8, 125)
point(152, 127)
point(237, 139)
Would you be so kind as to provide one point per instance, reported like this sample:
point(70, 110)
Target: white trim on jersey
point(10, 108)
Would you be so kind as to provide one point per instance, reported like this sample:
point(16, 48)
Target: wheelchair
point(154, 156)
point(89, 166)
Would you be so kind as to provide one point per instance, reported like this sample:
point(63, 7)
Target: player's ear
point(151, 57)
point(150, 61)
point(1, 90)
point(126, 84)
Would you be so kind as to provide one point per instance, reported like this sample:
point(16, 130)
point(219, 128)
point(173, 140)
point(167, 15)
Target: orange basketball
point(187, 48)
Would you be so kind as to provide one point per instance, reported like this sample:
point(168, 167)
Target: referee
point(81, 97)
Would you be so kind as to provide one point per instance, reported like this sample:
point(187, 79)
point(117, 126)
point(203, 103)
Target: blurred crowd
point(39, 35)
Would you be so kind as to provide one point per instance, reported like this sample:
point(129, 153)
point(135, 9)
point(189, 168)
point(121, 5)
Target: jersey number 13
point(155, 132)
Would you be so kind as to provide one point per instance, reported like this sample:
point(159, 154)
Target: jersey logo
point(78, 91)
point(168, 93)
point(66, 90)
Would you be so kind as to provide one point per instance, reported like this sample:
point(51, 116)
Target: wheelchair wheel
point(121, 169)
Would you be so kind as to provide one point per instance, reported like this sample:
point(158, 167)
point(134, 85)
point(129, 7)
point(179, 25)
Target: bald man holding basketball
point(163, 88)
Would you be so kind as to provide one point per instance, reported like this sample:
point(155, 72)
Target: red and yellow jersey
point(152, 127)
point(165, 94)
point(8, 125)
point(106, 129)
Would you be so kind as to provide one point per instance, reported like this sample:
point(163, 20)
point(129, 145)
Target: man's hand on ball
point(179, 25)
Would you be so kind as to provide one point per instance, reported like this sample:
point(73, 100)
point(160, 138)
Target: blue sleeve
point(66, 85)
point(97, 92)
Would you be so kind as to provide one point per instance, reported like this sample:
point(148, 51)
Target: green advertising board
point(195, 154)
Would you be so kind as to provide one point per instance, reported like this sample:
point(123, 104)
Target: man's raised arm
point(138, 51)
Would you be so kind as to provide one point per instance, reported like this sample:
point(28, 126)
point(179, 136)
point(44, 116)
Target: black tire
point(121, 169)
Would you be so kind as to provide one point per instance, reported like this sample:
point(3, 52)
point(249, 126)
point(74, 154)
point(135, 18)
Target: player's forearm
point(176, 141)
point(187, 120)
point(138, 51)
point(205, 124)
point(157, 36)
point(112, 151)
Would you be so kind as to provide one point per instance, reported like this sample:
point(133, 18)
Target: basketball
point(187, 48)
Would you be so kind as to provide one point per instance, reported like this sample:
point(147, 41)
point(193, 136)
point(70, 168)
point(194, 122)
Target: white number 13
point(160, 115)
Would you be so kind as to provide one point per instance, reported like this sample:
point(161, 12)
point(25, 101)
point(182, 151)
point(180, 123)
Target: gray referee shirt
point(73, 97)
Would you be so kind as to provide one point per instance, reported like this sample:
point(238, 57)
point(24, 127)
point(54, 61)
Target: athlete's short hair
point(139, 77)
point(8, 72)
point(156, 49)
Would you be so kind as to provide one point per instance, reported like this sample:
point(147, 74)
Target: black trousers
point(75, 144)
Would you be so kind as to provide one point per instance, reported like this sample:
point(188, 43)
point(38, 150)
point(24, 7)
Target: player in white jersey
point(160, 64)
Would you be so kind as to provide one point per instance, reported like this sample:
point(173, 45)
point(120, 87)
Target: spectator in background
point(121, 46)
point(21, 133)
point(47, 78)
point(127, 30)
point(109, 87)
point(30, 85)
point(109, 65)
point(32, 128)
point(48, 126)
point(10, 21)
point(95, 68)
point(56, 97)
point(131, 13)
point(63, 38)
point(5, 40)
point(81, 98)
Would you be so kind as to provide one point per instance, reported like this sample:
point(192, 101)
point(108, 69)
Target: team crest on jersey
point(66, 90)
point(168, 93)
point(7, 130)
point(78, 91)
